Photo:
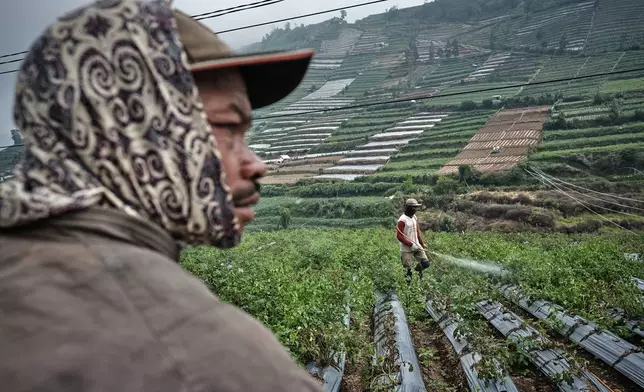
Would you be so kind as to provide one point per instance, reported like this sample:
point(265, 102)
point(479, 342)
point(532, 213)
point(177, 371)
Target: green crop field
point(294, 284)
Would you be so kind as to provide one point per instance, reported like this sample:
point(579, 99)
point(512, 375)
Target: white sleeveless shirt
point(411, 231)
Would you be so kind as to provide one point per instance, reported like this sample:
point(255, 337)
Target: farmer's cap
point(412, 203)
point(269, 76)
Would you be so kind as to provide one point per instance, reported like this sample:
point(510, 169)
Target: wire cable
point(11, 61)
point(541, 172)
point(232, 10)
point(214, 14)
point(581, 194)
point(13, 54)
point(545, 182)
point(303, 16)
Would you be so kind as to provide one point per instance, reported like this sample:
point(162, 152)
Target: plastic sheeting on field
point(635, 326)
point(625, 357)
point(639, 283)
point(332, 375)
point(409, 378)
point(551, 362)
point(470, 359)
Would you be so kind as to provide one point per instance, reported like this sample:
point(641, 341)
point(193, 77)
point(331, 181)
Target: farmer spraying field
point(412, 246)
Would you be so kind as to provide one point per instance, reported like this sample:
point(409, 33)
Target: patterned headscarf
point(111, 116)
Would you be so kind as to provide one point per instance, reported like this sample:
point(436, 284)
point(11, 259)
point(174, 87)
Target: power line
point(13, 54)
point(205, 15)
point(303, 16)
point(546, 182)
point(545, 82)
point(214, 14)
point(560, 183)
point(11, 61)
point(426, 97)
point(232, 10)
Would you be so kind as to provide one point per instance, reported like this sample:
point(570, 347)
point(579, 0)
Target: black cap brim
point(269, 77)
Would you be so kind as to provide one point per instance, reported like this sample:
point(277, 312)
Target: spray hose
point(465, 263)
point(408, 239)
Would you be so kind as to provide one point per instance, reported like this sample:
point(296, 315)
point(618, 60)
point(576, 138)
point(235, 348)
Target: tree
point(391, 13)
point(343, 14)
point(455, 48)
point(622, 41)
point(540, 34)
point(432, 51)
point(615, 109)
point(467, 174)
point(468, 105)
point(493, 38)
point(285, 218)
point(16, 137)
point(439, 52)
point(413, 51)
point(563, 42)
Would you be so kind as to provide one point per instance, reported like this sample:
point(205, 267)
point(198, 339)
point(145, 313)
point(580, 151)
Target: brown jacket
point(95, 301)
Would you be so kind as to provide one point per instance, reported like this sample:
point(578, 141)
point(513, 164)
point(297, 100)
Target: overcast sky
point(21, 21)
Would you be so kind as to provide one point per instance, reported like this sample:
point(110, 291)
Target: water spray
point(478, 266)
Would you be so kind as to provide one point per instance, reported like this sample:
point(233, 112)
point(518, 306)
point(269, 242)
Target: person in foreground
point(124, 161)
point(412, 245)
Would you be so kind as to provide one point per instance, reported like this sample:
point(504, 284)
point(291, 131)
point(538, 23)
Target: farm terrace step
point(382, 145)
point(509, 133)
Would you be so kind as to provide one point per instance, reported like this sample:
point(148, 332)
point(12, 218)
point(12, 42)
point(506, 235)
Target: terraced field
point(592, 128)
point(591, 133)
point(432, 148)
point(574, 21)
point(589, 145)
point(503, 142)
point(606, 34)
point(369, 157)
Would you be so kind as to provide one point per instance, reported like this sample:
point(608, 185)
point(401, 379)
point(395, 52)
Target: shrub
point(586, 226)
point(468, 105)
point(543, 219)
point(518, 213)
point(285, 218)
point(446, 185)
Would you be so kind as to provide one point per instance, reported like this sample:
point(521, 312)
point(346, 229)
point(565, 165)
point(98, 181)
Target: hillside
point(461, 141)
point(479, 130)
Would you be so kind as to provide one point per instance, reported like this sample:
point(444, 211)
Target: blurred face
point(229, 113)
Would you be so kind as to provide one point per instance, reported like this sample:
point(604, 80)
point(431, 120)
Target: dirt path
point(440, 367)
